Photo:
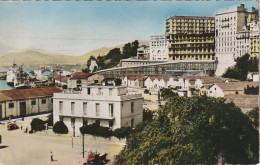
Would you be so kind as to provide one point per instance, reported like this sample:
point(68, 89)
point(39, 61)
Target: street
point(19, 148)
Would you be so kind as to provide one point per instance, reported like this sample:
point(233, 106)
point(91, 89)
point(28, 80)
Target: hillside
point(34, 58)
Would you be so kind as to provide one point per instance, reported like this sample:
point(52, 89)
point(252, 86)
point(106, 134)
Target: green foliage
point(253, 116)
point(243, 65)
point(60, 128)
point(123, 132)
point(37, 124)
point(167, 93)
point(147, 115)
point(96, 130)
point(50, 120)
point(85, 70)
point(193, 130)
point(251, 90)
point(118, 81)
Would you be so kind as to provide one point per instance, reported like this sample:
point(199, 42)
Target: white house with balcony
point(108, 106)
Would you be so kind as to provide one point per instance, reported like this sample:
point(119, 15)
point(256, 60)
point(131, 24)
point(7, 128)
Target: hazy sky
point(75, 28)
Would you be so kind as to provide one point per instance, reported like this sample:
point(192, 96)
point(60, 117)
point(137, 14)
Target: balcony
point(88, 117)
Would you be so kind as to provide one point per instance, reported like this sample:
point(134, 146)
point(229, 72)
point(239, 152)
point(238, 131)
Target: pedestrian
point(21, 127)
point(26, 129)
point(51, 156)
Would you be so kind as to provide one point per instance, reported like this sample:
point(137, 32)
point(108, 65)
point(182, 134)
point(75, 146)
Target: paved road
point(19, 148)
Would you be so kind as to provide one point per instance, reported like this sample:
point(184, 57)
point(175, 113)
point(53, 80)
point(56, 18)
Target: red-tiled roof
point(62, 79)
point(19, 94)
point(236, 86)
point(81, 75)
point(164, 77)
point(206, 79)
point(243, 101)
point(140, 78)
point(190, 17)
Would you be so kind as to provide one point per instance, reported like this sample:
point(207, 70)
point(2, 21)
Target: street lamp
point(82, 136)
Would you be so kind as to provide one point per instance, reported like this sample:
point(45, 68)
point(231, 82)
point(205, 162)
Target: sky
point(78, 27)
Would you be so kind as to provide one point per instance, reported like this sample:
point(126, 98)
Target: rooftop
point(80, 75)
point(190, 17)
point(241, 85)
point(20, 94)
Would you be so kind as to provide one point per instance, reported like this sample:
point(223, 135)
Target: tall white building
point(108, 106)
point(235, 28)
point(159, 48)
point(228, 23)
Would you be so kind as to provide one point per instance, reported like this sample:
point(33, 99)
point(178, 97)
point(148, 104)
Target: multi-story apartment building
point(232, 37)
point(191, 37)
point(254, 40)
point(242, 42)
point(158, 48)
point(108, 106)
point(143, 52)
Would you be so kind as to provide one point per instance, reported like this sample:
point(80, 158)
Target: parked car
point(12, 127)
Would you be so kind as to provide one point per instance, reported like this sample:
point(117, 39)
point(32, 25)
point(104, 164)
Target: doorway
point(22, 109)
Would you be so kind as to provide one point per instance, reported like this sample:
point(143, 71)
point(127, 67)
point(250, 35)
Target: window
point(85, 122)
point(110, 91)
point(97, 109)
point(236, 92)
point(33, 102)
point(73, 122)
point(60, 106)
point(122, 104)
point(88, 91)
point(111, 110)
point(72, 107)
point(11, 105)
point(43, 101)
point(85, 107)
point(132, 107)
point(51, 100)
point(132, 122)
point(78, 81)
point(95, 81)
point(99, 91)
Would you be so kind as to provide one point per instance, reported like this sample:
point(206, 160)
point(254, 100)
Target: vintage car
point(96, 159)
point(12, 127)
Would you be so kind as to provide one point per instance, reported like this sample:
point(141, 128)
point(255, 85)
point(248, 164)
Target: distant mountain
point(34, 58)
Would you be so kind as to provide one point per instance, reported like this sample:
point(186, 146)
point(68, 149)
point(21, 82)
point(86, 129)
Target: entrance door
point(22, 109)
point(0, 111)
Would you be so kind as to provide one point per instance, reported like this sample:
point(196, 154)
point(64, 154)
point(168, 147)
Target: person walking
point(52, 156)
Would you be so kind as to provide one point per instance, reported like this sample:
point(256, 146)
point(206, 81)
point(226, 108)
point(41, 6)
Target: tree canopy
point(243, 65)
point(193, 130)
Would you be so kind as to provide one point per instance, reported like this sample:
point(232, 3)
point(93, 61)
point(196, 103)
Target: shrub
point(147, 115)
point(37, 124)
point(96, 130)
point(123, 132)
point(118, 81)
point(60, 127)
point(50, 120)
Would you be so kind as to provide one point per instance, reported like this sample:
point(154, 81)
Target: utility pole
point(83, 137)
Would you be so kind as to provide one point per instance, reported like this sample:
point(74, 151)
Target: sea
point(4, 86)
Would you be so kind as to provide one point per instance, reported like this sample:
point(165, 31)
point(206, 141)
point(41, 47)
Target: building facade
point(191, 37)
point(233, 33)
point(159, 48)
point(24, 102)
point(80, 79)
point(108, 106)
point(143, 52)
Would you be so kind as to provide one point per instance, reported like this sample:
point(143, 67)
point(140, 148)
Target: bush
point(60, 127)
point(37, 124)
point(96, 130)
point(123, 132)
point(147, 115)
point(118, 81)
point(50, 120)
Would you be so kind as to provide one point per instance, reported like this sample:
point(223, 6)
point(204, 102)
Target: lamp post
point(83, 137)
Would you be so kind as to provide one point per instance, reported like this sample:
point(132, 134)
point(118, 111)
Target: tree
point(193, 130)
point(251, 90)
point(60, 128)
point(253, 116)
point(167, 93)
point(123, 132)
point(96, 130)
point(50, 119)
point(243, 65)
point(118, 81)
point(37, 124)
point(147, 115)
